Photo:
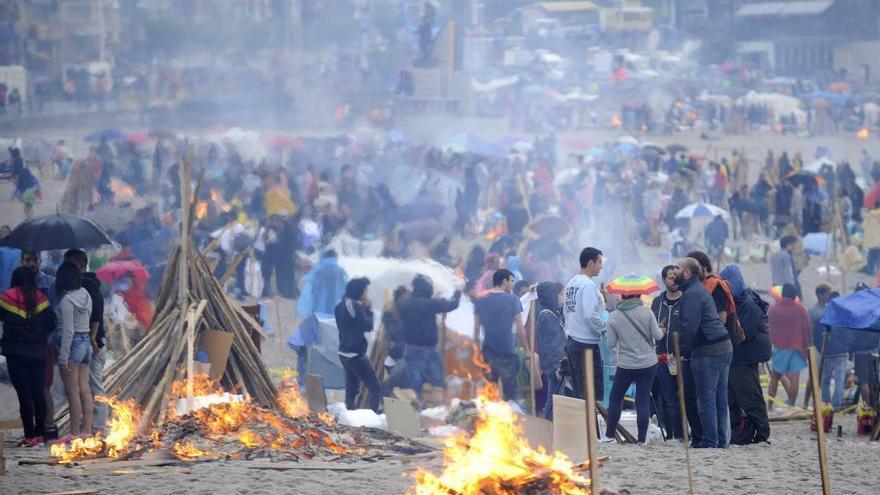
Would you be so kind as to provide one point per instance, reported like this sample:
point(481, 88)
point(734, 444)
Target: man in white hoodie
point(585, 321)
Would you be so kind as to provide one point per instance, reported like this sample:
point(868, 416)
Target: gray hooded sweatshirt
point(73, 314)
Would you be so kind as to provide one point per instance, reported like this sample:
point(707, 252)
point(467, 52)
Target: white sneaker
point(607, 440)
point(643, 444)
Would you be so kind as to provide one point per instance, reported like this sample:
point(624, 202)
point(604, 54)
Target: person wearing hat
point(632, 332)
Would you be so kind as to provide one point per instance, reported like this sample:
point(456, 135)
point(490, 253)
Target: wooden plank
point(820, 430)
point(293, 466)
point(569, 427)
point(10, 424)
point(679, 380)
point(315, 396)
point(402, 417)
point(538, 432)
point(590, 409)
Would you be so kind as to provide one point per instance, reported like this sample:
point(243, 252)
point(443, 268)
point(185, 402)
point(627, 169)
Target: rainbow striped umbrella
point(776, 293)
point(633, 285)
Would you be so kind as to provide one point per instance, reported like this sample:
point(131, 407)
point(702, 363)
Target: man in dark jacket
point(97, 334)
point(419, 317)
point(550, 341)
point(706, 345)
point(748, 409)
point(666, 309)
point(354, 318)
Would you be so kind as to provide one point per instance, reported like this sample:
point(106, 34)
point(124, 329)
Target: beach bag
point(253, 277)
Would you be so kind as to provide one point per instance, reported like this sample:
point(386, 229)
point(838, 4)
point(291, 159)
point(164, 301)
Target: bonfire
point(496, 459)
point(234, 427)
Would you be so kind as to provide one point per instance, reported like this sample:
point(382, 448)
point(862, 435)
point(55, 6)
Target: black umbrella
point(804, 178)
point(58, 231)
point(676, 148)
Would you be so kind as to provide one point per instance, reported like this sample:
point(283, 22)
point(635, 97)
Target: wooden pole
point(590, 406)
point(183, 281)
point(531, 356)
point(820, 424)
point(821, 366)
point(679, 379)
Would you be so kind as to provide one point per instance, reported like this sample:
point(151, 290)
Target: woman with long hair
point(27, 322)
point(75, 353)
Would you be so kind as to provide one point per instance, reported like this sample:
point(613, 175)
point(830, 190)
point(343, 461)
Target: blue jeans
point(423, 364)
point(666, 398)
point(710, 377)
point(833, 366)
point(80, 349)
point(554, 387)
point(96, 384)
point(359, 370)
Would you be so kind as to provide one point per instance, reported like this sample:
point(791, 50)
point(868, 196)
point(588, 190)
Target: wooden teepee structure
point(190, 300)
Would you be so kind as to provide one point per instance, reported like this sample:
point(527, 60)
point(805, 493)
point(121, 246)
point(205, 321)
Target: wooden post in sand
point(820, 423)
point(590, 406)
point(679, 379)
point(531, 356)
point(183, 275)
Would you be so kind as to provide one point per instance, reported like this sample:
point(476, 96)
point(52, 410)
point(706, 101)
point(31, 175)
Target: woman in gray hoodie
point(75, 353)
point(632, 332)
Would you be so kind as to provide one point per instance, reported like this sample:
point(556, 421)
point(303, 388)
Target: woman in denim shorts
point(75, 352)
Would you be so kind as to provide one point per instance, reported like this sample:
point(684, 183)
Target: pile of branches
point(273, 436)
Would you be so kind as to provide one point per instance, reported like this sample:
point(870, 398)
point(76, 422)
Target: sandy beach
point(788, 466)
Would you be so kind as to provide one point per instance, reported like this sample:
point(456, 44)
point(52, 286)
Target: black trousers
point(746, 399)
point(27, 375)
point(690, 403)
point(575, 351)
point(359, 370)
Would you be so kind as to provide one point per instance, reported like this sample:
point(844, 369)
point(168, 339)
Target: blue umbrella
point(859, 311)
point(104, 135)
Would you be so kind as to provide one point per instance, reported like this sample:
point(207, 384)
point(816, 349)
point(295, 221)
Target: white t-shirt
point(584, 310)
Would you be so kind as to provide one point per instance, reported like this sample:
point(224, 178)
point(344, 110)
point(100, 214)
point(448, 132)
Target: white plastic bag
point(253, 277)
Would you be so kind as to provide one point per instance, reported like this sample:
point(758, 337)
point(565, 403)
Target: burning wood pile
point(146, 374)
point(497, 460)
point(237, 429)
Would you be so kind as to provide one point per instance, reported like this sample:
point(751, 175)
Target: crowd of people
point(275, 220)
point(48, 321)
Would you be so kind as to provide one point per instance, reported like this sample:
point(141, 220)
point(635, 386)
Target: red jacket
point(790, 326)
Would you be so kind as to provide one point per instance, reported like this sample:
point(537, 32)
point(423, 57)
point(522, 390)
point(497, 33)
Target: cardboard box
point(217, 344)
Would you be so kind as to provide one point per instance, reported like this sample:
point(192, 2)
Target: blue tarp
point(860, 311)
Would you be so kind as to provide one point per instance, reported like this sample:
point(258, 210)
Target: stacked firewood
point(148, 371)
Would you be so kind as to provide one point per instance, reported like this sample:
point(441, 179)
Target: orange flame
point(123, 422)
point(863, 133)
point(616, 122)
point(201, 209)
point(187, 451)
point(496, 459)
point(291, 400)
